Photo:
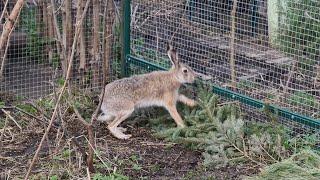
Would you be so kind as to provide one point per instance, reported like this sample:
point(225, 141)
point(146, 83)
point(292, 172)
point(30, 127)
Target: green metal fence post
point(125, 30)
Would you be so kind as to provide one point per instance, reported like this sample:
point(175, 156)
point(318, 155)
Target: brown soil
point(141, 157)
point(163, 160)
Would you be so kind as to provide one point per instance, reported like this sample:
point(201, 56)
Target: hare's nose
point(203, 76)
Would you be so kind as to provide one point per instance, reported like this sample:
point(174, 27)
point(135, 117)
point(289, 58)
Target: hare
point(158, 88)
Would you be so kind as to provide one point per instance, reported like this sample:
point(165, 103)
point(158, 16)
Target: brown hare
point(158, 88)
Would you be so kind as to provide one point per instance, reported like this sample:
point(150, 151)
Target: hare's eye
point(185, 70)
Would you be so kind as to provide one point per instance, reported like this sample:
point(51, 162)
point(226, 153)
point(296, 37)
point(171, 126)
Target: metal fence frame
point(129, 59)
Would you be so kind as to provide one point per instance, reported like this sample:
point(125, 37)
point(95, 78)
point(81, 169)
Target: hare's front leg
point(171, 107)
point(116, 131)
point(187, 101)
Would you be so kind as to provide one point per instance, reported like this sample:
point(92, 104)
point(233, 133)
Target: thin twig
point(41, 111)
point(173, 35)
point(93, 119)
point(133, 15)
point(116, 9)
point(26, 113)
point(3, 131)
point(59, 114)
point(76, 111)
point(300, 90)
point(4, 10)
point(60, 7)
point(244, 153)
point(312, 18)
point(8, 26)
point(229, 103)
point(157, 144)
point(7, 47)
point(97, 154)
point(268, 153)
point(74, 140)
point(78, 25)
point(157, 44)
point(316, 78)
point(291, 72)
point(105, 10)
point(57, 30)
point(89, 125)
point(10, 117)
point(56, 98)
point(88, 173)
point(4, 58)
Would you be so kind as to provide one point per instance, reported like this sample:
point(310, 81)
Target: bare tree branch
point(78, 26)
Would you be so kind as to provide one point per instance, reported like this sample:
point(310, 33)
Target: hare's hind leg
point(116, 131)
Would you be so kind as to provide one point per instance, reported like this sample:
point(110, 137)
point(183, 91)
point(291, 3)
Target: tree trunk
point(110, 15)
point(45, 28)
point(57, 35)
point(45, 19)
point(4, 12)
point(95, 46)
point(82, 45)
point(50, 30)
point(67, 33)
point(7, 29)
point(41, 22)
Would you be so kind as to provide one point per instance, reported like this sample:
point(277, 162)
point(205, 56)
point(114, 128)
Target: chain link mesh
point(272, 47)
point(35, 59)
point(267, 50)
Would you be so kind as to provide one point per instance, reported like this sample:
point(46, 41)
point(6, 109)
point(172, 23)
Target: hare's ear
point(173, 55)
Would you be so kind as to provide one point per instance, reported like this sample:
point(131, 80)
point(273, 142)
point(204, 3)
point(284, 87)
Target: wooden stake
point(232, 38)
point(95, 48)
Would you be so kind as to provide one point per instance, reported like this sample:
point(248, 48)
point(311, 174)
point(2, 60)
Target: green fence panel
point(273, 61)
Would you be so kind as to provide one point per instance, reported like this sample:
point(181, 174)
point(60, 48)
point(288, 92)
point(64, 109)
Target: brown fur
point(158, 88)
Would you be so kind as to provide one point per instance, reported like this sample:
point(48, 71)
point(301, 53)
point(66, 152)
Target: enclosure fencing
point(261, 53)
point(38, 50)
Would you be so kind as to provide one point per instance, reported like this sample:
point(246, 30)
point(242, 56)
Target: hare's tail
point(105, 117)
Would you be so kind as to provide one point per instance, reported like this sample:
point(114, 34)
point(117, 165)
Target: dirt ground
point(141, 157)
point(164, 160)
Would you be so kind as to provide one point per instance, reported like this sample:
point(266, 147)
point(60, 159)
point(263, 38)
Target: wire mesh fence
point(260, 55)
point(265, 50)
point(40, 45)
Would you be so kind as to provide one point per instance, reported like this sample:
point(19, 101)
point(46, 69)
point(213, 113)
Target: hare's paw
point(118, 133)
point(192, 103)
point(182, 125)
point(122, 129)
point(187, 101)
